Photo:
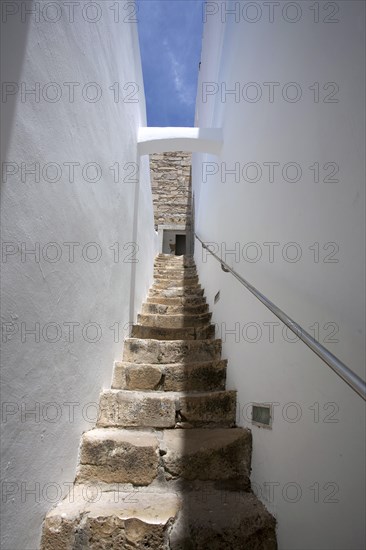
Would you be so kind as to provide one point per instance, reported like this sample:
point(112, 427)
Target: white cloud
point(184, 90)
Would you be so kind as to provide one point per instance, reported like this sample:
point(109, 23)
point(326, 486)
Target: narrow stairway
point(165, 467)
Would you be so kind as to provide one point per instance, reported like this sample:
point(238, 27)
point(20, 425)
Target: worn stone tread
point(162, 282)
point(216, 515)
point(177, 300)
point(196, 515)
point(114, 455)
point(218, 453)
point(173, 309)
point(139, 350)
point(175, 320)
point(199, 376)
point(116, 519)
point(174, 273)
point(124, 408)
point(175, 291)
point(173, 333)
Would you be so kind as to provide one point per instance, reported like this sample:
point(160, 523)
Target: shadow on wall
point(14, 34)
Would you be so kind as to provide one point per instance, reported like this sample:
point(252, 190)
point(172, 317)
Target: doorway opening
point(173, 240)
point(180, 245)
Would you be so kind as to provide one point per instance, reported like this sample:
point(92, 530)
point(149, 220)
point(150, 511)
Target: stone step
point(178, 309)
point(178, 264)
point(186, 270)
point(115, 519)
point(132, 409)
point(193, 515)
point(176, 333)
point(175, 273)
point(173, 258)
point(207, 409)
point(166, 281)
point(173, 321)
point(170, 258)
point(169, 270)
point(175, 268)
point(138, 350)
point(218, 515)
point(112, 455)
point(166, 256)
point(127, 409)
point(204, 376)
point(176, 283)
point(177, 300)
point(207, 454)
point(174, 265)
point(175, 277)
point(175, 292)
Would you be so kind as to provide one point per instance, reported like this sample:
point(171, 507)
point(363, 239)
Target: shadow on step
point(204, 458)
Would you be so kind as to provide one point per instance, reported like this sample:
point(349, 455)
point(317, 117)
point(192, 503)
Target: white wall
point(39, 453)
point(159, 140)
point(305, 453)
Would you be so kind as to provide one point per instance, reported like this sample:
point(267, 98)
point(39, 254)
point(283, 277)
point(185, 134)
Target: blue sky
point(170, 34)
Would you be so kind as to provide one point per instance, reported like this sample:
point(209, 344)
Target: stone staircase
point(165, 467)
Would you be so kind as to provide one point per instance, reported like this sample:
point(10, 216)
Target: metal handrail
point(344, 372)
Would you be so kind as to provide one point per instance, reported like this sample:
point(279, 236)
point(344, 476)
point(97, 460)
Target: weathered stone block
point(215, 408)
point(169, 333)
point(175, 291)
point(177, 300)
point(174, 320)
point(219, 453)
point(116, 519)
point(160, 282)
point(179, 309)
point(130, 376)
point(133, 409)
point(219, 516)
point(114, 455)
point(138, 350)
point(206, 376)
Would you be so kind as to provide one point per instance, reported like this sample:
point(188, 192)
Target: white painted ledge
point(194, 140)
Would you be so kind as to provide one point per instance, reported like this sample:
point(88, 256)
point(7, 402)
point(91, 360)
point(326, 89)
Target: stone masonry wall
point(171, 187)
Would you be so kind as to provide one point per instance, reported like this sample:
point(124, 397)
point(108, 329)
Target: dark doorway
point(180, 245)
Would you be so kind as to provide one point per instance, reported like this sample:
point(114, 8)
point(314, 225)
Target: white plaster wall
point(39, 451)
point(307, 459)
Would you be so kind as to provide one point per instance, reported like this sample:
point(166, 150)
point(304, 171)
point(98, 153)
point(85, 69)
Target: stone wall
point(171, 187)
